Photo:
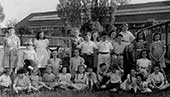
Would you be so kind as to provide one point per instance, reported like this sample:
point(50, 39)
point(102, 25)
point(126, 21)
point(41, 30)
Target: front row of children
point(105, 80)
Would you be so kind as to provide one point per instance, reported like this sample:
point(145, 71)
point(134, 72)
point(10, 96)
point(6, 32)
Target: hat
point(29, 42)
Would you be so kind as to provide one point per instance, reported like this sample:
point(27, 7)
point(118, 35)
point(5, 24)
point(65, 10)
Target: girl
point(64, 79)
point(144, 64)
point(21, 82)
point(140, 44)
point(5, 80)
point(41, 45)
point(55, 62)
point(157, 80)
point(75, 62)
point(30, 53)
point(130, 82)
point(80, 78)
point(142, 86)
point(49, 78)
point(36, 80)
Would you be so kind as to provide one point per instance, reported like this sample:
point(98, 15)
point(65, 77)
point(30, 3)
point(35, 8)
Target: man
point(87, 48)
point(104, 49)
point(127, 35)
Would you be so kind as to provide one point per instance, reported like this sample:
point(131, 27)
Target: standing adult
point(127, 35)
point(41, 45)
point(11, 49)
point(87, 51)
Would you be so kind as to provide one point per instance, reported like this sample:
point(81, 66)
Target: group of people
point(114, 61)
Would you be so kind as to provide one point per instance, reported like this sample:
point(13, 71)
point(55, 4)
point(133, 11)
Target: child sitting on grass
point(64, 79)
point(115, 79)
point(157, 80)
point(36, 80)
point(91, 79)
point(142, 86)
point(130, 83)
point(22, 82)
point(5, 80)
point(80, 78)
point(49, 77)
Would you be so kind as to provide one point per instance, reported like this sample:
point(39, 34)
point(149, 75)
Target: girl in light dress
point(144, 64)
point(75, 62)
point(55, 62)
point(49, 78)
point(64, 79)
point(80, 81)
point(5, 80)
point(41, 48)
point(36, 80)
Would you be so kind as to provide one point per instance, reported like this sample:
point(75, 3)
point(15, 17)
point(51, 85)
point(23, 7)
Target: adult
point(11, 49)
point(87, 51)
point(41, 45)
point(127, 35)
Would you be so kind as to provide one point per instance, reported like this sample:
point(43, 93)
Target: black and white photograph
point(84, 48)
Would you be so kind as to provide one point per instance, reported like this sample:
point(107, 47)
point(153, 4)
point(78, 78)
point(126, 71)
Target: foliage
point(2, 15)
point(11, 22)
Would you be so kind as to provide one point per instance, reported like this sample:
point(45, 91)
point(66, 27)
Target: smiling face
point(64, 70)
point(144, 54)
point(41, 35)
point(81, 69)
point(54, 54)
point(157, 37)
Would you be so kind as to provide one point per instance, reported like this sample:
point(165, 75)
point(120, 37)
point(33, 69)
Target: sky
point(19, 9)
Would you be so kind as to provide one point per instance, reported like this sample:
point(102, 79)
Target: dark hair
point(144, 50)
point(119, 35)
point(61, 70)
point(21, 71)
point(38, 35)
point(137, 36)
point(142, 77)
point(81, 66)
point(51, 56)
point(102, 64)
point(156, 65)
point(155, 35)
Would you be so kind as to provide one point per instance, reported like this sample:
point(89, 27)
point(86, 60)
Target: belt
point(104, 52)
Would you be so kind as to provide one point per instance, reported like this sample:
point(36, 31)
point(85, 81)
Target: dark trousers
point(89, 60)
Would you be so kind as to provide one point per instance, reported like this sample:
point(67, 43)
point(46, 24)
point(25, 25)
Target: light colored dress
point(55, 63)
point(11, 46)
point(42, 52)
point(64, 80)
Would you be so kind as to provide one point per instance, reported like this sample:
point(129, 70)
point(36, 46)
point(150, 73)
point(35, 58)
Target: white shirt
point(30, 54)
point(115, 77)
point(119, 48)
point(128, 36)
point(105, 46)
point(143, 63)
point(87, 47)
point(5, 81)
point(157, 78)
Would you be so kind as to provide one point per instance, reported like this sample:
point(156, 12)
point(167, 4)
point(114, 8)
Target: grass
point(62, 93)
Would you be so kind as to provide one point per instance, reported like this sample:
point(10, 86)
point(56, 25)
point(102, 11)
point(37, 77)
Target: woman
point(11, 48)
point(41, 45)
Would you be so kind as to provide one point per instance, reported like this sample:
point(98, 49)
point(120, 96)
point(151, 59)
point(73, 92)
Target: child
point(30, 53)
point(91, 79)
point(80, 78)
point(144, 64)
point(130, 82)
point(75, 62)
point(64, 79)
point(55, 62)
point(115, 79)
point(49, 78)
point(157, 80)
point(36, 80)
point(142, 86)
point(22, 82)
point(5, 80)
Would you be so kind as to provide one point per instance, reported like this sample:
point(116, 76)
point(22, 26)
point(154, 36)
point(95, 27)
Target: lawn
point(63, 93)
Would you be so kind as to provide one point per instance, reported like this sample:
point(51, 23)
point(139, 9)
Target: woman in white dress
point(41, 45)
point(11, 49)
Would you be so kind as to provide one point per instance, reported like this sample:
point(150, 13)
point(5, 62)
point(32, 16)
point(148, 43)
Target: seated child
point(115, 79)
point(130, 82)
point(21, 82)
point(102, 75)
point(64, 79)
point(157, 80)
point(91, 79)
point(142, 86)
point(49, 78)
point(144, 64)
point(36, 80)
point(75, 62)
point(5, 80)
point(80, 81)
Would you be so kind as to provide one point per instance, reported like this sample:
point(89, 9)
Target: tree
point(11, 22)
point(2, 15)
point(122, 2)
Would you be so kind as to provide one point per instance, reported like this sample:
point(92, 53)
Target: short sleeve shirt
point(105, 46)
point(128, 36)
point(87, 47)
